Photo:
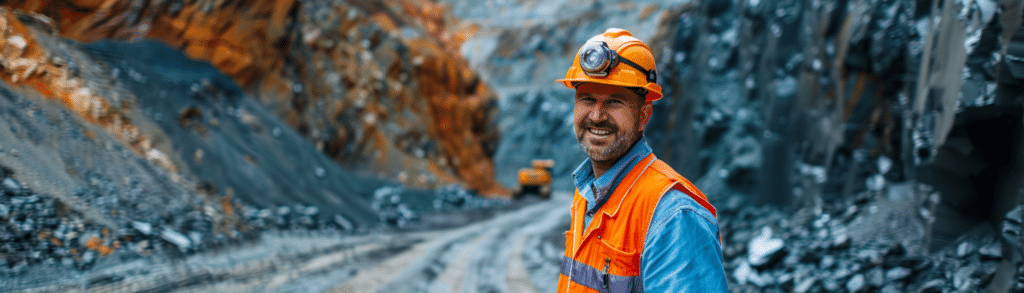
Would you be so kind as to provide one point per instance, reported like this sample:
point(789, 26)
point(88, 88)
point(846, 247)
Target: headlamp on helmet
point(597, 60)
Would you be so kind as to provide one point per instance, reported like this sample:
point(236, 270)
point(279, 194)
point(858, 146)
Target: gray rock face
point(233, 133)
point(537, 125)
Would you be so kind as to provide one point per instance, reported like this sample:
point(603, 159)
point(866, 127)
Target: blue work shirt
point(681, 252)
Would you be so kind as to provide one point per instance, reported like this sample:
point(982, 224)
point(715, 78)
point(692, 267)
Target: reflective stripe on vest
point(592, 278)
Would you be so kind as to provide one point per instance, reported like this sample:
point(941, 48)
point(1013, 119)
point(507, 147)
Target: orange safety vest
point(605, 257)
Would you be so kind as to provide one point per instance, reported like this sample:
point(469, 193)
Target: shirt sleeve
point(682, 252)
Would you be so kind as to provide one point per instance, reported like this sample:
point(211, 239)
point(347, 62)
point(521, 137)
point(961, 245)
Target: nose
point(597, 113)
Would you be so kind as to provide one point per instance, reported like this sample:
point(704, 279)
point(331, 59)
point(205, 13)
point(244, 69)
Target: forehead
point(605, 90)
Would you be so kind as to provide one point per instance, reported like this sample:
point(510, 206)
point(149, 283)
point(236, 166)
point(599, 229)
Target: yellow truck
point(536, 180)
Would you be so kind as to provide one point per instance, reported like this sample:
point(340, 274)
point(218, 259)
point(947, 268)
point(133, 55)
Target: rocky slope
point(115, 149)
point(375, 85)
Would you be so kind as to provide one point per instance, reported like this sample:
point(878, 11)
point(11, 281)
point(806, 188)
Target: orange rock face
point(25, 62)
point(377, 85)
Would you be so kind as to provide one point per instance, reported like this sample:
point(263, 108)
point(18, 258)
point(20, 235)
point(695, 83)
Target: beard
point(620, 144)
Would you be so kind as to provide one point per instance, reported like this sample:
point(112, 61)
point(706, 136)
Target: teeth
point(600, 132)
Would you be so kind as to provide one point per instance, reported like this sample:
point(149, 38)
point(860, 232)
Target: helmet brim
point(653, 89)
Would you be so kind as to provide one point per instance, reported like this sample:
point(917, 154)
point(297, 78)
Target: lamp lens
point(596, 58)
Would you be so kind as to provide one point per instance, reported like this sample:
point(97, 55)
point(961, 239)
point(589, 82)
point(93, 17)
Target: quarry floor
point(512, 251)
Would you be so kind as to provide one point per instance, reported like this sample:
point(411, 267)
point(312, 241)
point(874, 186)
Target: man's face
point(607, 120)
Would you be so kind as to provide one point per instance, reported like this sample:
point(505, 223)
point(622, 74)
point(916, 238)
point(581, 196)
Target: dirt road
point(483, 257)
point(515, 251)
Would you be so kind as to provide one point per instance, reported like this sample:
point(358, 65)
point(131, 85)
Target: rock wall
point(786, 102)
point(797, 103)
point(375, 85)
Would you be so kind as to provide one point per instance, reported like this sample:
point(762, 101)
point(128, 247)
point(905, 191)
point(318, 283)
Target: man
point(637, 225)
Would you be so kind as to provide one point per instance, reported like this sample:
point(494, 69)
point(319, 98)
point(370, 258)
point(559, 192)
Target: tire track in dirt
point(477, 254)
point(283, 257)
point(451, 280)
point(494, 265)
point(518, 279)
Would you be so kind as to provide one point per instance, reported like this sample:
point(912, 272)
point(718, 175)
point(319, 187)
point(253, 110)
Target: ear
point(645, 114)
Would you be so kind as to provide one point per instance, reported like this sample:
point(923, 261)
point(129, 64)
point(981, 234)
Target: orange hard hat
point(616, 58)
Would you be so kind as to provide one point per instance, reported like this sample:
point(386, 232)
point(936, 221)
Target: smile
point(600, 132)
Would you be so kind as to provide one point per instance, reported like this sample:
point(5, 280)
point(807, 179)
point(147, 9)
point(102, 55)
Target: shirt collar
point(591, 188)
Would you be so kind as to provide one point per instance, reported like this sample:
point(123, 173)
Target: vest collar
point(617, 197)
point(597, 190)
point(631, 181)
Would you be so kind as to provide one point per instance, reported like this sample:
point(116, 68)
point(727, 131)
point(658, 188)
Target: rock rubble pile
point(40, 229)
point(840, 248)
point(402, 207)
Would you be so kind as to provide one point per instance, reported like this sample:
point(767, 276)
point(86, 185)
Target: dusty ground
point(511, 252)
